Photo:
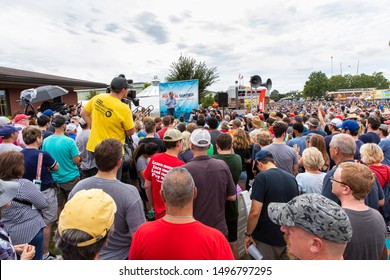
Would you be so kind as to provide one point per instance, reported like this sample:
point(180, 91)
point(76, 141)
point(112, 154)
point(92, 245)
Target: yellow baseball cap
point(91, 211)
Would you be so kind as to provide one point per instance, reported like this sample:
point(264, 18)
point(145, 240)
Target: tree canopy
point(275, 95)
point(146, 85)
point(187, 68)
point(91, 94)
point(207, 101)
point(318, 83)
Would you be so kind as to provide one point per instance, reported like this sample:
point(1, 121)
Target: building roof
point(10, 77)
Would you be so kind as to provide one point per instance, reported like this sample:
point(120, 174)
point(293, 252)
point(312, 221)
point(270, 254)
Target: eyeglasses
point(332, 179)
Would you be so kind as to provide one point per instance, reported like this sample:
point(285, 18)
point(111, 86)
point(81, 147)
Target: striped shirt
point(21, 221)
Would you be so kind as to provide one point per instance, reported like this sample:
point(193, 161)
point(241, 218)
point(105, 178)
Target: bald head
point(178, 187)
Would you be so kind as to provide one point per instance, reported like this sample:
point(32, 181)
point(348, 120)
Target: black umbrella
point(34, 95)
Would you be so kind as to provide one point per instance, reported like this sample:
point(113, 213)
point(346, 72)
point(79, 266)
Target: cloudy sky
point(282, 40)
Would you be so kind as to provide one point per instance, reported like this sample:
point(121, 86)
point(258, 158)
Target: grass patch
point(52, 247)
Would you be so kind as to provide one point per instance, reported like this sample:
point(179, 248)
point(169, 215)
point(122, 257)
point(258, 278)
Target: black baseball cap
point(119, 83)
point(58, 121)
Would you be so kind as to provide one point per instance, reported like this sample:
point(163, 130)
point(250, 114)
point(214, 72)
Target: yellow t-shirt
point(110, 119)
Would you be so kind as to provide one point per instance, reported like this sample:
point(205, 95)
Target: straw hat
point(352, 116)
point(256, 122)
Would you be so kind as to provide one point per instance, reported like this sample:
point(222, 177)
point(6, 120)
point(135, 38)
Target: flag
point(262, 100)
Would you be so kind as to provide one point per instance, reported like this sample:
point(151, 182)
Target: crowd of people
point(120, 186)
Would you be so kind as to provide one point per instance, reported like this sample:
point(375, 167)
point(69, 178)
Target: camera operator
point(108, 116)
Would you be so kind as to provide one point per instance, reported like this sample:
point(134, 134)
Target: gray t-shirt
point(141, 165)
point(5, 147)
point(368, 235)
point(310, 183)
point(128, 217)
point(87, 158)
point(285, 157)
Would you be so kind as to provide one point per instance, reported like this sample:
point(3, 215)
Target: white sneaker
point(50, 257)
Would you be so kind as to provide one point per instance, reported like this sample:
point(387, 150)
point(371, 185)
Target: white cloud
point(281, 40)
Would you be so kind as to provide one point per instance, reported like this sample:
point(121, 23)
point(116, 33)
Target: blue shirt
point(385, 146)
point(170, 102)
point(370, 137)
point(300, 141)
point(31, 163)
point(62, 148)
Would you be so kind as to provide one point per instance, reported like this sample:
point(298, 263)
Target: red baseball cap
point(20, 117)
point(261, 116)
point(339, 117)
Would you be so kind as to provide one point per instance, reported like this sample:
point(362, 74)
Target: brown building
point(13, 81)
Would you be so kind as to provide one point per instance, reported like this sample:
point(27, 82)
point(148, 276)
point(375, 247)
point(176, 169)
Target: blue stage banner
point(186, 95)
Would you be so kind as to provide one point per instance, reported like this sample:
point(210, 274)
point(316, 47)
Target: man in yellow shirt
point(108, 116)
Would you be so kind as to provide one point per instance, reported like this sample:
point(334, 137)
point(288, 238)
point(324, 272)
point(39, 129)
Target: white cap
point(200, 137)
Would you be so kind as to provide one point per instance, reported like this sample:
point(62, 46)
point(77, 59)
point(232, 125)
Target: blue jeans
point(38, 243)
point(243, 176)
point(171, 111)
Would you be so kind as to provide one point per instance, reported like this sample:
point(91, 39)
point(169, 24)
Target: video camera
point(131, 93)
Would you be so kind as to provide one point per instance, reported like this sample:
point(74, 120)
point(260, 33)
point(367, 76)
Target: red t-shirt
point(155, 171)
point(161, 240)
point(382, 172)
point(161, 132)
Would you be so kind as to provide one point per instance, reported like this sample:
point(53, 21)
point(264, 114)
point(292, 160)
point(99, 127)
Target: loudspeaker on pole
point(223, 99)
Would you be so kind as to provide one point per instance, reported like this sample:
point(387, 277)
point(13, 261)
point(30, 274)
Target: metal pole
point(331, 65)
point(236, 95)
point(357, 69)
point(251, 99)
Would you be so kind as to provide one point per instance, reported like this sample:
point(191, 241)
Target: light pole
point(331, 66)
point(236, 95)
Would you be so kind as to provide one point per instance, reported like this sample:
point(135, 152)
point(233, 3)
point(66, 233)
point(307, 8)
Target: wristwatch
point(247, 234)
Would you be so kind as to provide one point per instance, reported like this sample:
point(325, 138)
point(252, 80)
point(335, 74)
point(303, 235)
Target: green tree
point(91, 94)
point(187, 68)
point(361, 81)
point(316, 85)
point(207, 101)
point(275, 95)
point(146, 85)
point(376, 80)
point(380, 81)
point(337, 82)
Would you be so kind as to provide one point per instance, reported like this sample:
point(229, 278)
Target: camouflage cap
point(315, 214)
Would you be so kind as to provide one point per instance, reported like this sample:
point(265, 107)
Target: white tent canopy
point(151, 96)
point(150, 91)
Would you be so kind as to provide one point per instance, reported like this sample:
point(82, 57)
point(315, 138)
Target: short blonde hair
point(147, 119)
point(312, 158)
point(264, 138)
point(186, 140)
point(138, 126)
point(371, 153)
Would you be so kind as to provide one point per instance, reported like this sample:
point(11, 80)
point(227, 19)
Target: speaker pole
point(236, 95)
